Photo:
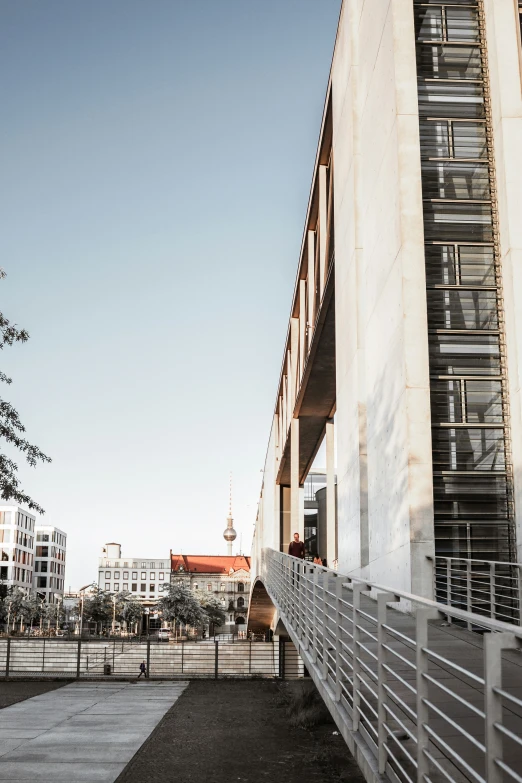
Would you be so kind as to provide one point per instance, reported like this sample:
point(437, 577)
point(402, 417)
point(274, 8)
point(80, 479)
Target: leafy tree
point(212, 607)
point(98, 606)
point(13, 603)
point(12, 429)
point(180, 605)
point(132, 611)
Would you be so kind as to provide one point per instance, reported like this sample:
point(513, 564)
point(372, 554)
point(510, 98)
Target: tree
point(98, 607)
point(128, 609)
point(180, 605)
point(13, 603)
point(213, 609)
point(12, 429)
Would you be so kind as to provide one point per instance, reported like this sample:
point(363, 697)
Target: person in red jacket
point(296, 548)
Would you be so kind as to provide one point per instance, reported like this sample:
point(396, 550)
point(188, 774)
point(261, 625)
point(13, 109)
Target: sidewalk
point(81, 733)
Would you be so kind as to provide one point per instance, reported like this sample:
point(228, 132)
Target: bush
point(305, 708)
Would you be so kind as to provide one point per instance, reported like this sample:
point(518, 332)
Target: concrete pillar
point(323, 228)
point(302, 329)
point(296, 491)
point(311, 285)
point(331, 528)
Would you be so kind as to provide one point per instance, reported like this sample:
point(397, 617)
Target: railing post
point(282, 658)
point(494, 643)
point(79, 659)
point(421, 662)
point(448, 586)
point(356, 673)
point(325, 583)
point(148, 660)
point(382, 637)
point(182, 648)
point(492, 589)
point(338, 638)
point(216, 660)
point(469, 601)
point(8, 656)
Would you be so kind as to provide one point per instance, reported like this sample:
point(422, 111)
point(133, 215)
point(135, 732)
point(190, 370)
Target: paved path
point(82, 732)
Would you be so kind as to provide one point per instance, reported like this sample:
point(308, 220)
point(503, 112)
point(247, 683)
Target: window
point(41, 581)
point(161, 565)
point(222, 587)
point(161, 576)
point(196, 587)
point(107, 575)
point(151, 565)
point(134, 565)
point(125, 565)
point(125, 586)
point(143, 574)
point(116, 574)
point(117, 564)
point(152, 588)
point(230, 618)
point(240, 603)
point(134, 587)
point(134, 574)
point(209, 588)
point(125, 574)
point(240, 587)
point(152, 576)
point(144, 565)
point(143, 588)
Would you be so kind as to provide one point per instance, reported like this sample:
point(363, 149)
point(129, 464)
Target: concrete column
point(293, 363)
point(323, 228)
point(311, 284)
point(331, 537)
point(302, 329)
point(296, 491)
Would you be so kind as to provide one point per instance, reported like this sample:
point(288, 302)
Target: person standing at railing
point(296, 548)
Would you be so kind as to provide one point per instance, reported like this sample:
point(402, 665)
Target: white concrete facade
point(381, 410)
point(17, 542)
point(143, 577)
point(49, 562)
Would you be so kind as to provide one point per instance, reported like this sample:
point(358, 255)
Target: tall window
point(240, 587)
point(240, 603)
point(209, 588)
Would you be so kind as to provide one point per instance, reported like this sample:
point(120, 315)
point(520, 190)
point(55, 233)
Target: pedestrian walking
point(143, 670)
point(296, 548)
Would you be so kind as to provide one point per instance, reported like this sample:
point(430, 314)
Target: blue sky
point(156, 160)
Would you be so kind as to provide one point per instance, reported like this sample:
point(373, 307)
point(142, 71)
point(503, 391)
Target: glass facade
point(470, 440)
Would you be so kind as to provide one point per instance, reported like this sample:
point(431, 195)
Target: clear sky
point(156, 158)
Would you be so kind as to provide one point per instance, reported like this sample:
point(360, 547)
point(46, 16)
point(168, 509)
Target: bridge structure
point(401, 383)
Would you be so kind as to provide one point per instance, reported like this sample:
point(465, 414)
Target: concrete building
point(49, 562)
point(227, 577)
point(143, 577)
point(17, 542)
point(404, 345)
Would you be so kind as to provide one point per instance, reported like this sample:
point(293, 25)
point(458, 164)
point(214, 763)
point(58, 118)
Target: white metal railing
point(419, 701)
point(487, 587)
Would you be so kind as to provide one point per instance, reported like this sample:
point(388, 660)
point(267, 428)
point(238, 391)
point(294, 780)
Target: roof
point(210, 564)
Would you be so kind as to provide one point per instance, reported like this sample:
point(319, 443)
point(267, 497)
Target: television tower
point(230, 534)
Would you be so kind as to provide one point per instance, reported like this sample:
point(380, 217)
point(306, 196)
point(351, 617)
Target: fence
point(415, 698)
point(487, 587)
point(79, 659)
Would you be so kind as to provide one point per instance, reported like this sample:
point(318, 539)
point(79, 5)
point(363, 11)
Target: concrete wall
point(384, 473)
point(506, 102)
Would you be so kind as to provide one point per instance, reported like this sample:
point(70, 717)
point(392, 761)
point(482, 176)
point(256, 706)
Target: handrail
point(401, 688)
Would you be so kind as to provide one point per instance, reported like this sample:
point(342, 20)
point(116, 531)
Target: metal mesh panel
point(472, 484)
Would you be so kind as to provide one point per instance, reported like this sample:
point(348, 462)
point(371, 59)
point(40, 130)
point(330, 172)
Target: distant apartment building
point(143, 577)
point(49, 562)
point(17, 534)
point(227, 577)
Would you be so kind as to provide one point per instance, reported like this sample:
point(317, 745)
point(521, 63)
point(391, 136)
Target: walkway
point(83, 732)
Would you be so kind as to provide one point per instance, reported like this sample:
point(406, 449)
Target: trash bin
point(106, 668)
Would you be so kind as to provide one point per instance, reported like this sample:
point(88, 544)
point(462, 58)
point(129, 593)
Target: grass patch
point(305, 708)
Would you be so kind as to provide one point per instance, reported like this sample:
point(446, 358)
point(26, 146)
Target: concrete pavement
point(82, 732)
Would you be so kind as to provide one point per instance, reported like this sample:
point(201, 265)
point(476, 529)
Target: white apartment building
point(49, 563)
point(17, 533)
point(142, 577)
